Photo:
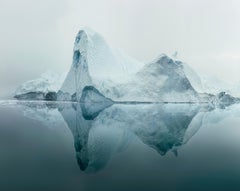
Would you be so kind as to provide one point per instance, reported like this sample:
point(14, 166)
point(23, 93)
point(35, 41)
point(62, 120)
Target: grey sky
point(37, 35)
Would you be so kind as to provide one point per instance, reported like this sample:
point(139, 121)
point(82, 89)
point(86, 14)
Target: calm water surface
point(65, 146)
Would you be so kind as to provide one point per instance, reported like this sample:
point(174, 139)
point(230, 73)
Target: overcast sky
point(38, 35)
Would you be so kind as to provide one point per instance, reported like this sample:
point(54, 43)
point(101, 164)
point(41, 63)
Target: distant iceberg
point(37, 89)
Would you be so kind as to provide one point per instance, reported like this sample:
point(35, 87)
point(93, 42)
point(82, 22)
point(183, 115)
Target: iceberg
point(119, 78)
point(122, 78)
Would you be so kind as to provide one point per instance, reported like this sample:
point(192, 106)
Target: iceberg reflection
point(101, 131)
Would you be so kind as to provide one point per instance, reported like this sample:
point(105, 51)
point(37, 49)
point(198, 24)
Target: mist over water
point(69, 146)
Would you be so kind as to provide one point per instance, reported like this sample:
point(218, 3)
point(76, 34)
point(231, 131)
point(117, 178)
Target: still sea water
point(52, 146)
